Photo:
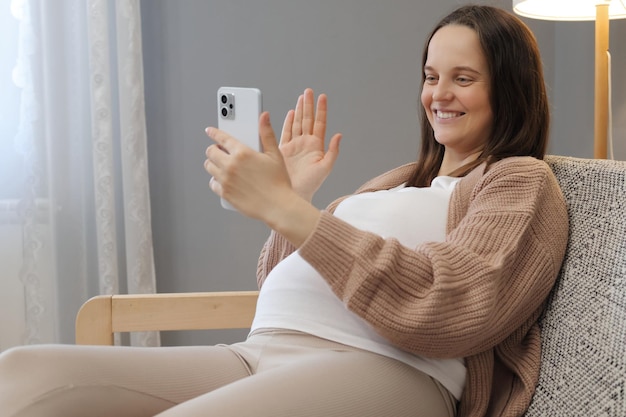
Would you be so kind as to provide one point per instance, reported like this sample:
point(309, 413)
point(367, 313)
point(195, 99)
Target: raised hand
point(302, 145)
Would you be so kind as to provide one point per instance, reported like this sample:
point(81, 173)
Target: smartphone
point(238, 111)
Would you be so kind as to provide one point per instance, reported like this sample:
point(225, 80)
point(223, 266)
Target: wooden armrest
point(103, 315)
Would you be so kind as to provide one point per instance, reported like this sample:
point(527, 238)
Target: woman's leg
point(331, 381)
point(79, 381)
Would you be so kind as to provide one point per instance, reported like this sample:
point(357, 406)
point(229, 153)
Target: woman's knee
point(17, 361)
point(21, 375)
point(27, 369)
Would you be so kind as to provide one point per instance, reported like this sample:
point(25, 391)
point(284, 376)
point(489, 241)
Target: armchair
point(583, 369)
point(102, 316)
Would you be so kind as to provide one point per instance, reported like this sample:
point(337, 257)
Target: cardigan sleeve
point(277, 247)
point(464, 295)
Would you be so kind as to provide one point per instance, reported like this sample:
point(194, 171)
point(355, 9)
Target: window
point(11, 162)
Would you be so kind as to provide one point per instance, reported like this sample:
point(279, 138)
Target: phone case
point(238, 110)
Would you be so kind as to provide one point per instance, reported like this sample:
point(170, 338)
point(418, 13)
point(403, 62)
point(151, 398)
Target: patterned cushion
point(583, 369)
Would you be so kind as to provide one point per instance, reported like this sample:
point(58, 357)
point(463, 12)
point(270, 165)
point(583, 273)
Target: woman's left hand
point(302, 145)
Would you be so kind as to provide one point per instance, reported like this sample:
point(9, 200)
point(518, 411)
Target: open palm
point(302, 145)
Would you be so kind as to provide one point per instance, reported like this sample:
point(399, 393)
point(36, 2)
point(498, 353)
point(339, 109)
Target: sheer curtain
point(76, 219)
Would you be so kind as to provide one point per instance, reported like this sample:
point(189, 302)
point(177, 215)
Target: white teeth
point(447, 114)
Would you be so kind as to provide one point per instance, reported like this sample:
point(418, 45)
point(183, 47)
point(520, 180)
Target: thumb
point(266, 132)
point(333, 146)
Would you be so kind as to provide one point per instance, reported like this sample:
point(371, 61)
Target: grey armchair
point(583, 369)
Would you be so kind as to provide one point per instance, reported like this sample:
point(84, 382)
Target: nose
point(441, 91)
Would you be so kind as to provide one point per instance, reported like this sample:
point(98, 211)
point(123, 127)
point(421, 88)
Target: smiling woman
point(456, 95)
point(366, 308)
point(508, 64)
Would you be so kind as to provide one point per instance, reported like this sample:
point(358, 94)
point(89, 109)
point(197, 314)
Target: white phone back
point(241, 116)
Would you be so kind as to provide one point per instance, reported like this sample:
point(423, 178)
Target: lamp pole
point(601, 95)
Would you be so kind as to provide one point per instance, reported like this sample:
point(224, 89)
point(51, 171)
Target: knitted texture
point(477, 295)
point(583, 367)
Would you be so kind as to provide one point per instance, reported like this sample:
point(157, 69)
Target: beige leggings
point(273, 373)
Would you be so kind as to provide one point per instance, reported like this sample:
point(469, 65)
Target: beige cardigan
point(476, 295)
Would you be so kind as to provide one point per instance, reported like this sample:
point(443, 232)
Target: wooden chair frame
point(102, 316)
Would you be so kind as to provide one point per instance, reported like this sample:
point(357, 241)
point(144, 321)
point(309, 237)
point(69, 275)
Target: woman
point(418, 293)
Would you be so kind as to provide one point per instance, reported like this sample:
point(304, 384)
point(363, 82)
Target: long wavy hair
point(518, 97)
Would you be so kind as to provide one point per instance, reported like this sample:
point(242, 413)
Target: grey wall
point(364, 54)
point(573, 88)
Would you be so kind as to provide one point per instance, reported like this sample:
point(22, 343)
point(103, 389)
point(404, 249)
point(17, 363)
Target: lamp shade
point(567, 9)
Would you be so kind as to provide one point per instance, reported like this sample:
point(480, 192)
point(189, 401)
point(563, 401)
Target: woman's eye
point(463, 80)
point(430, 79)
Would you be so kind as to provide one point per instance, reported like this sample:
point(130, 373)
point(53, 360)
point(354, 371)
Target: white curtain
point(79, 220)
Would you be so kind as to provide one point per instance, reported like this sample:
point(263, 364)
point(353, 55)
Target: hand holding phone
point(238, 115)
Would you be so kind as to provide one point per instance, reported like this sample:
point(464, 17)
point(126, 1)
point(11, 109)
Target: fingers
point(307, 119)
point(319, 128)
point(285, 136)
point(268, 139)
point(333, 150)
point(304, 115)
point(215, 186)
point(296, 127)
point(223, 139)
point(308, 112)
point(215, 154)
point(213, 160)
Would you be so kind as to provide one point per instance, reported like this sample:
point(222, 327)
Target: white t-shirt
point(294, 296)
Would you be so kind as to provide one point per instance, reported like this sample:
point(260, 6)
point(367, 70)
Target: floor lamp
point(600, 11)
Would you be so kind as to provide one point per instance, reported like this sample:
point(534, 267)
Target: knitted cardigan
point(477, 295)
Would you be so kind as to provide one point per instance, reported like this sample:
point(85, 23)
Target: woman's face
point(456, 90)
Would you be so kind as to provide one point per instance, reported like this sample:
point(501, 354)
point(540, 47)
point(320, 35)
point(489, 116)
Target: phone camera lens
point(226, 104)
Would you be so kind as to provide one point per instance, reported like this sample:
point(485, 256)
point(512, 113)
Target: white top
point(294, 296)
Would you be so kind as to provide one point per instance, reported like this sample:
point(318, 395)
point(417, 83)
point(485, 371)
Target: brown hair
point(519, 100)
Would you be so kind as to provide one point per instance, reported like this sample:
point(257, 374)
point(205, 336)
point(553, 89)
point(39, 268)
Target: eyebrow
point(459, 68)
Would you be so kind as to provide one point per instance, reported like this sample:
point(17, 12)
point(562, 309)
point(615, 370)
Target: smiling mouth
point(448, 114)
